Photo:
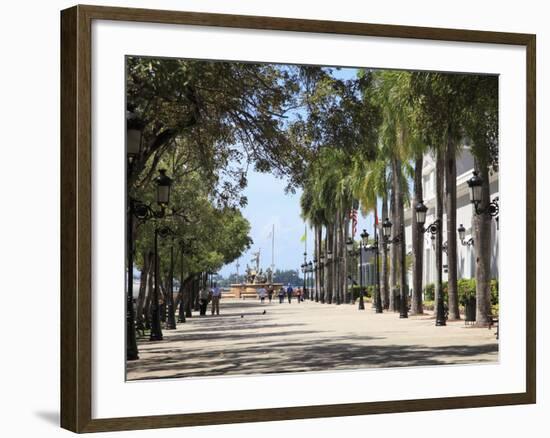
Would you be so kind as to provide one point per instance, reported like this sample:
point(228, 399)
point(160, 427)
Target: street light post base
point(155, 336)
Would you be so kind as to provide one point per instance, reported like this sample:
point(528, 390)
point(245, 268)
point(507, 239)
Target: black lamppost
point(310, 268)
point(386, 231)
point(164, 184)
point(133, 149)
point(156, 330)
point(305, 273)
point(322, 282)
point(462, 235)
point(181, 310)
point(135, 208)
point(434, 229)
point(329, 265)
point(303, 269)
point(351, 253)
point(376, 249)
point(362, 244)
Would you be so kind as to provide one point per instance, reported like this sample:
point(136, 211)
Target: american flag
point(353, 217)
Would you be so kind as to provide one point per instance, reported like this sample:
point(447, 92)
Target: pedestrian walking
point(203, 301)
point(289, 292)
point(281, 295)
point(299, 294)
point(270, 292)
point(216, 295)
point(262, 293)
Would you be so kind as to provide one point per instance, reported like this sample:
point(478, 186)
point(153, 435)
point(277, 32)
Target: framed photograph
point(269, 219)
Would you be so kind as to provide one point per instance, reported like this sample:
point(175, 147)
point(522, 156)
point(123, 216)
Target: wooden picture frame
point(76, 218)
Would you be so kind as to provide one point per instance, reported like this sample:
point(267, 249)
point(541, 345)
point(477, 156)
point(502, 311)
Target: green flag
point(303, 238)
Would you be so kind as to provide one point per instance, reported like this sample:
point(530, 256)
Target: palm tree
point(481, 125)
point(391, 94)
point(369, 186)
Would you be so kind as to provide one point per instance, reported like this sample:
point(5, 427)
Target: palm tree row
point(419, 113)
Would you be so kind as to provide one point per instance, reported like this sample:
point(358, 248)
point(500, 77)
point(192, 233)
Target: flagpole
point(273, 248)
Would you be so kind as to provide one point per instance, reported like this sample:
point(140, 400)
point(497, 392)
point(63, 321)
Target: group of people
point(206, 295)
point(289, 293)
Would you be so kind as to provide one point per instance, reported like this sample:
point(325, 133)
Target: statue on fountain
point(250, 275)
point(255, 279)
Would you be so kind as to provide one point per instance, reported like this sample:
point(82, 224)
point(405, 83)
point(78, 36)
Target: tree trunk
point(417, 240)
point(318, 250)
point(191, 295)
point(393, 255)
point(145, 273)
point(345, 237)
point(324, 296)
point(334, 264)
point(385, 289)
point(330, 264)
point(342, 258)
point(440, 170)
point(482, 244)
point(399, 230)
point(149, 298)
point(450, 207)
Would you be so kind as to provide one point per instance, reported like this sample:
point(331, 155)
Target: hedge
point(466, 290)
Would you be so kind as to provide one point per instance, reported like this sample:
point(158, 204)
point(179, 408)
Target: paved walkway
point(306, 337)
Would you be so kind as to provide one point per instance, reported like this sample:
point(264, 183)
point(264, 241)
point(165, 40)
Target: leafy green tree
point(450, 108)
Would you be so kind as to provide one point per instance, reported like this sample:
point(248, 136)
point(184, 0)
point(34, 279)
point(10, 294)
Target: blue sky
point(269, 206)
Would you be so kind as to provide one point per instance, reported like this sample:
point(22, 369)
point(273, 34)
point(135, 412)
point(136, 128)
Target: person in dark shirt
point(289, 291)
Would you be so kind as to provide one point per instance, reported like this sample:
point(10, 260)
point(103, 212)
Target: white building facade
point(464, 215)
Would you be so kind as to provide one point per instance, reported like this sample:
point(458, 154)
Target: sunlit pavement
point(306, 336)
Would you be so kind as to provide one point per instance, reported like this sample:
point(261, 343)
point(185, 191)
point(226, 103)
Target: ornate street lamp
point(142, 212)
point(475, 184)
point(462, 236)
point(133, 149)
point(421, 211)
point(134, 137)
point(145, 212)
point(434, 229)
point(362, 245)
point(376, 249)
point(164, 183)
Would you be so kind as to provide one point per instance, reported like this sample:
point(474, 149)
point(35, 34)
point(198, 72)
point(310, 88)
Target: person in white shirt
point(204, 295)
point(216, 295)
point(262, 293)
